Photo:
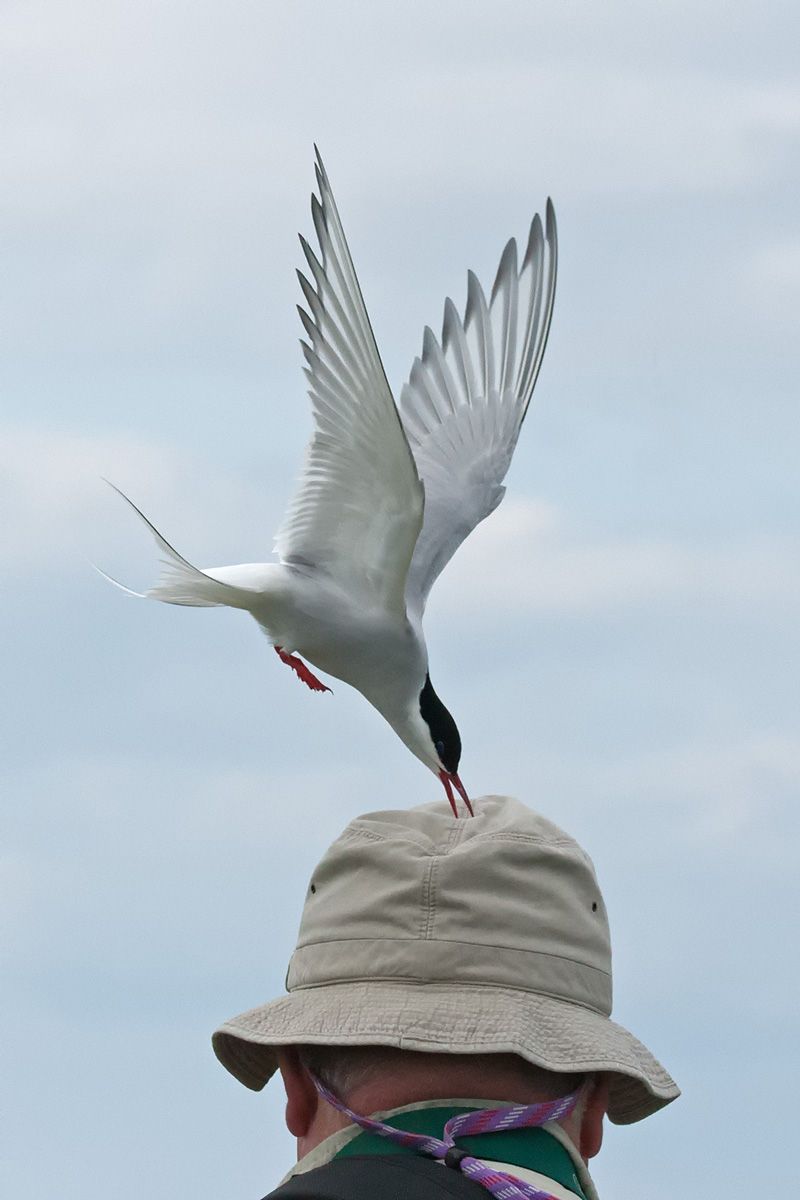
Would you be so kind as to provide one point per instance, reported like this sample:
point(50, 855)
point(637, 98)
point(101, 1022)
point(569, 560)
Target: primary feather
point(467, 396)
point(358, 509)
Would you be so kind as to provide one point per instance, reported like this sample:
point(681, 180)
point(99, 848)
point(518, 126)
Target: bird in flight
point(388, 491)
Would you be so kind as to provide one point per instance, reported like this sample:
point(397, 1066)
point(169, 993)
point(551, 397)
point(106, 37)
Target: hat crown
point(504, 899)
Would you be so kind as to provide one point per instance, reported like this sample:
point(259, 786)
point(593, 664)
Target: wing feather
point(358, 508)
point(467, 396)
point(504, 297)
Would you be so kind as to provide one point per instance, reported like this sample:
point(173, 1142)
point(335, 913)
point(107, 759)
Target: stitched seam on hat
point(455, 836)
point(538, 839)
point(427, 916)
point(462, 942)
point(452, 839)
point(367, 835)
point(392, 835)
point(373, 1028)
point(627, 1096)
point(456, 985)
point(286, 1002)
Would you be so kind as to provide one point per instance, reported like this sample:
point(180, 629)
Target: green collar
point(535, 1148)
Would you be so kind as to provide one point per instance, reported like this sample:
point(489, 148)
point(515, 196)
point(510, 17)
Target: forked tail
point(179, 581)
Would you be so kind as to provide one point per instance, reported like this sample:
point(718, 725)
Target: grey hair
point(344, 1069)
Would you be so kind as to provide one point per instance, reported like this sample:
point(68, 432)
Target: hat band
point(411, 960)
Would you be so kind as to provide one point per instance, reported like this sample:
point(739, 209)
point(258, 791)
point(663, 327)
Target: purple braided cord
point(485, 1120)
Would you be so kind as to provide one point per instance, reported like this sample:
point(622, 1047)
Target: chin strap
point(485, 1120)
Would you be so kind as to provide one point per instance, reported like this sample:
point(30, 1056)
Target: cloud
point(57, 510)
point(529, 558)
point(729, 795)
point(100, 144)
point(779, 264)
point(156, 172)
point(652, 132)
point(771, 283)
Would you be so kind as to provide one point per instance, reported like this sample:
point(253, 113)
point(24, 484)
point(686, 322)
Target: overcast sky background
point(619, 643)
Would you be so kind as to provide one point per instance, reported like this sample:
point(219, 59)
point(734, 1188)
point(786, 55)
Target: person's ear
point(595, 1109)
point(302, 1100)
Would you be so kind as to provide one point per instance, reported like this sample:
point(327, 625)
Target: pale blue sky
point(619, 644)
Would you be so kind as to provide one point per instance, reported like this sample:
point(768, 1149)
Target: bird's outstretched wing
point(358, 508)
point(467, 396)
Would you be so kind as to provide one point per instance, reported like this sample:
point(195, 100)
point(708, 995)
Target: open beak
point(451, 780)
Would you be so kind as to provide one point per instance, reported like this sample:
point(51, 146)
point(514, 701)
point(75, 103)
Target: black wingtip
point(550, 214)
point(321, 174)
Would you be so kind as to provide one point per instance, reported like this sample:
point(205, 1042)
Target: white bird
point(387, 493)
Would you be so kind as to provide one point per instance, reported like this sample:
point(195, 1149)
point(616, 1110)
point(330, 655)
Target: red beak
point(450, 779)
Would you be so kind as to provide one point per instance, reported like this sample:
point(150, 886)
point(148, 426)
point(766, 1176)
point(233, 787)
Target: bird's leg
point(301, 670)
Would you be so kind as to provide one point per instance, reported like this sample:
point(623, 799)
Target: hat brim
point(443, 1018)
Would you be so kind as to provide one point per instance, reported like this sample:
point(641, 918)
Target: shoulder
point(390, 1176)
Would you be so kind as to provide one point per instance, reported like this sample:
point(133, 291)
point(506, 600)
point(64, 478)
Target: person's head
point(374, 1078)
point(467, 955)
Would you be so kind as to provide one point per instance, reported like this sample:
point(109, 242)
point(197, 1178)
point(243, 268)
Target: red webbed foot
point(301, 670)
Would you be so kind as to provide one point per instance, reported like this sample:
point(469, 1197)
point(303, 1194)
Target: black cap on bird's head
point(444, 733)
point(446, 742)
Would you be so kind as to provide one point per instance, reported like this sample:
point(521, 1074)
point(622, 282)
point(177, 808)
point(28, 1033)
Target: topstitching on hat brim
point(552, 1033)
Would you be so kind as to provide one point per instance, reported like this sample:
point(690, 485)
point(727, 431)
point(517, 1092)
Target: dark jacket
point(380, 1177)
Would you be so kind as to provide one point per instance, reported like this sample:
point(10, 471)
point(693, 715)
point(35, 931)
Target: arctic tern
point(388, 492)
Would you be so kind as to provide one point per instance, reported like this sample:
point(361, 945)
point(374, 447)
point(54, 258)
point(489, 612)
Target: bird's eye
point(440, 749)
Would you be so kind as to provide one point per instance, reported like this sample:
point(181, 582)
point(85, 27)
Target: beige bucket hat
point(481, 935)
